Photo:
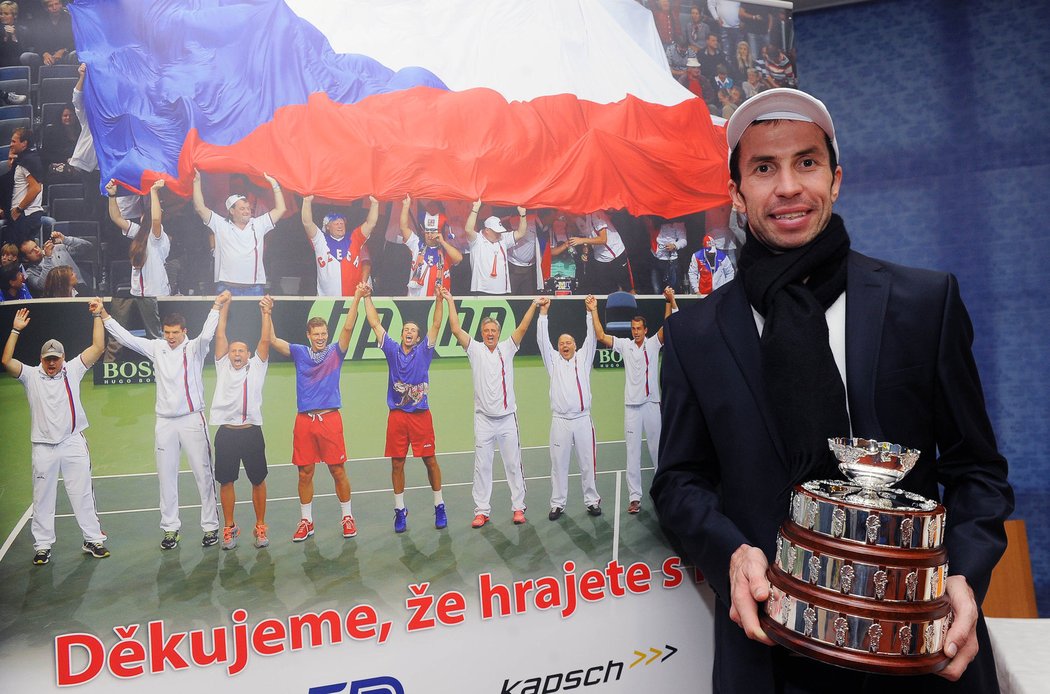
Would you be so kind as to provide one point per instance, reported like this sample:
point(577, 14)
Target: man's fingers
point(960, 643)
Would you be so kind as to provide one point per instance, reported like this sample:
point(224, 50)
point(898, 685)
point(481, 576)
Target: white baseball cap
point(495, 225)
point(430, 222)
point(52, 348)
point(780, 104)
point(232, 200)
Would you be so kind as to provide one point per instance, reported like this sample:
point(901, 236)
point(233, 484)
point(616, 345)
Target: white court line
point(14, 533)
point(616, 521)
point(349, 460)
point(246, 502)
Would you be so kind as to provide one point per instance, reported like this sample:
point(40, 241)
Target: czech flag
point(542, 103)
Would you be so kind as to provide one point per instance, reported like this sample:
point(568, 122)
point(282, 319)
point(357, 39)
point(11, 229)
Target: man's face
point(174, 335)
point(665, 5)
point(712, 43)
point(18, 145)
point(693, 72)
point(241, 212)
point(566, 346)
point(67, 116)
point(694, 14)
point(432, 238)
point(637, 331)
point(337, 228)
point(318, 337)
point(52, 365)
point(786, 185)
point(239, 354)
point(409, 334)
point(53, 6)
point(32, 252)
point(490, 334)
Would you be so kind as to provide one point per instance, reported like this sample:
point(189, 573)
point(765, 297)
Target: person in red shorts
point(318, 433)
point(409, 422)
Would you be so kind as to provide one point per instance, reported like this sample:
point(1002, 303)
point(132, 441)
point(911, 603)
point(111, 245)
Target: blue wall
point(942, 109)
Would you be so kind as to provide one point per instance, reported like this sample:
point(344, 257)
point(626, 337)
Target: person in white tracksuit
point(178, 364)
point(495, 409)
point(571, 427)
point(641, 393)
point(57, 424)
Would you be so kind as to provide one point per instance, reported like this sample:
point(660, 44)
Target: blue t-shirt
point(409, 375)
point(317, 377)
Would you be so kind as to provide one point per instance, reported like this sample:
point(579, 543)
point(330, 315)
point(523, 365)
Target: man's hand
point(95, 305)
point(271, 180)
point(668, 294)
point(476, 207)
point(575, 241)
point(111, 188)
point(57, 237)
point(266, 304)
point(82, 69)
point(521, 211)
point(157, 185)
point(221, 299)
point(21, 319)
point(591, 303)
point(363, 290)
point(960, 643)
point(49, 247)
point(544, 302)
point(14, 214)
point(670, 247)
point(373, 200)
point(748, 586)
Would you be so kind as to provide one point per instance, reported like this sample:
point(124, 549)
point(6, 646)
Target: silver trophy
point(860, 567)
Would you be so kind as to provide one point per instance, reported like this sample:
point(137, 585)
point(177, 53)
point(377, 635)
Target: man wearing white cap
point(238, 239)
point(57, 433)
point(813, 341)
point(489, 249)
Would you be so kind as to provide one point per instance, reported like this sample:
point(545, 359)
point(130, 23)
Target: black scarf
point(792, 290)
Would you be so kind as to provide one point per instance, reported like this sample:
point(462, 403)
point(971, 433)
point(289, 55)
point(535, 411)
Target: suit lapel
point(737, 323)
point(867, 294)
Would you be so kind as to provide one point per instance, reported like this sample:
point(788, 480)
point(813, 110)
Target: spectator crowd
point(245, 234)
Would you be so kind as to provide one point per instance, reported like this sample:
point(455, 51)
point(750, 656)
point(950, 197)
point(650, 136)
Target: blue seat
point(620, 308)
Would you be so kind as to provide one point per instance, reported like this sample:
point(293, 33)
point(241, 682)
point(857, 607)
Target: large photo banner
point(592, 128)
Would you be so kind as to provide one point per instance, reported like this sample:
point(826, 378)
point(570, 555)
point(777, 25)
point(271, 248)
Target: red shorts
point(404, 428)
point(318, 438)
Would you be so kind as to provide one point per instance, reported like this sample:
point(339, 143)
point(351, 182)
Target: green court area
point(192, 587)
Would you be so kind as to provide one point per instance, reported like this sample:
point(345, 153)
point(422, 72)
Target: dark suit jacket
point(723, 479)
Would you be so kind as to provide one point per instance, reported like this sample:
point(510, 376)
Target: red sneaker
point(479, 520)
point(349, 527)
point(304, 530)
point(519, 517)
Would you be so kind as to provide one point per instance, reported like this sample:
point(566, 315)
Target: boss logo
point(127, 372)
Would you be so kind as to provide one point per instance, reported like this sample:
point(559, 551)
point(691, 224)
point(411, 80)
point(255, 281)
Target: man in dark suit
point(813, 341)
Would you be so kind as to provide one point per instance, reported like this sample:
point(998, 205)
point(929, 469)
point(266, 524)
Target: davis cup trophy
point(858, 577)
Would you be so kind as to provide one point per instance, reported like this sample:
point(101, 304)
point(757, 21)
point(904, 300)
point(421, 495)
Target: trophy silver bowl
point(873, 466)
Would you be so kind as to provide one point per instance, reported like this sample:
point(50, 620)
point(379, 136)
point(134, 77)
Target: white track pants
point(490, 432)
point(567, 434)
point(70, 459)
point(188, 434)
point(636, 419)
